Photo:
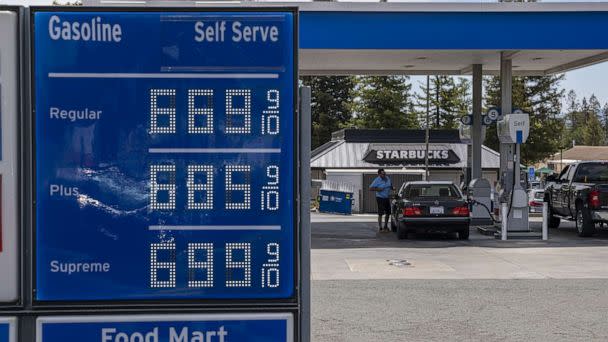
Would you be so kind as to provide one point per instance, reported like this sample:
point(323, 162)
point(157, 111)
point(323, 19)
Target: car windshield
point(421, 191)
point(592, 173)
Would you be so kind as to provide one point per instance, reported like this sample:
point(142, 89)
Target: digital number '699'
point(238, 270)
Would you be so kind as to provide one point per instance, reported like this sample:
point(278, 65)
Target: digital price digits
point(200, 194)
point(201, 108)
point(237, 265)
point(201, 182)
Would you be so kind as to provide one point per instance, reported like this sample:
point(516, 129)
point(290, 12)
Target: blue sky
point(585, 82)
point(589, 80)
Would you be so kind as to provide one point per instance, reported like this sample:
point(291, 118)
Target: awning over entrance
point(370, 149)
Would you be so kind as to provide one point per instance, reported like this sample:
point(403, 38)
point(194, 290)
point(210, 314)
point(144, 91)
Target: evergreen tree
point(384, 102)
point(594, 105)
point(539, 96)
point(572, 120)
point(330, 105)
point(592, 132)
point(573, 108)
point(604, 121)
point(586, 128)
point(448, 101)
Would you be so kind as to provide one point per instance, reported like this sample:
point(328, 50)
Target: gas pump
point(514, 129)
point(478, 189)
point(480, 193)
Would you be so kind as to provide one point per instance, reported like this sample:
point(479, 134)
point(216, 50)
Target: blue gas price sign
point(8, 329)
point(244, 327)
point(165, 154)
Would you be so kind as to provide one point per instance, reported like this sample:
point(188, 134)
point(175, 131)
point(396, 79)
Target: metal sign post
point(305, 194)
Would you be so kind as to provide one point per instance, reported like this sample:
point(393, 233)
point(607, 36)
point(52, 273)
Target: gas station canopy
point(438, 38)
point(388, 38)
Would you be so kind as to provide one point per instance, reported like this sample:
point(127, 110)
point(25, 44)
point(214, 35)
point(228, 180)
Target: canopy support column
point(479, 188)
point(476, 132)
point(506, 150)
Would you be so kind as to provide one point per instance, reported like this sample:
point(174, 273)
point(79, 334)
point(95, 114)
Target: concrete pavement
point(460, 310)
point(369, 286)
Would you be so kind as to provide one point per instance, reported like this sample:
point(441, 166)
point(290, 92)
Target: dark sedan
point(430, 206)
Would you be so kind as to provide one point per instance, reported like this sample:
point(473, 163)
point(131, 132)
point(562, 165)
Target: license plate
point(436, 210)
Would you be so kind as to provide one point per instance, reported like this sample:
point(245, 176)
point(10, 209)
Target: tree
point(539, 96)
point(593, 132)
point(448, 101)
point(586, 127)
point(384, 102)
point(330, 105)
point(604, 121)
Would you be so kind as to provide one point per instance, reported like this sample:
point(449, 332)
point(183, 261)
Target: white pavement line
point(463, 262)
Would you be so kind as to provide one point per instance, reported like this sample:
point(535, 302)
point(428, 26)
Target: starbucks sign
point(411, 156)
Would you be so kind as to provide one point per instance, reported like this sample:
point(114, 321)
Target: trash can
point(335, 202)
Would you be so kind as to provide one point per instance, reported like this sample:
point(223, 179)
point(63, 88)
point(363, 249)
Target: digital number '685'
point(201, 117)
point(200, 195)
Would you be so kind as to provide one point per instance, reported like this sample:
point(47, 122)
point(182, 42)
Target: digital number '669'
point(201, 117)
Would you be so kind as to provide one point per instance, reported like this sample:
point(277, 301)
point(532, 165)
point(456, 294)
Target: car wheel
point(402, 231)
point(464, 234)
point(584, 226)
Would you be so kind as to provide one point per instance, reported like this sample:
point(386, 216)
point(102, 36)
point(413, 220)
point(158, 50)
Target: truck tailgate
point(603, 189)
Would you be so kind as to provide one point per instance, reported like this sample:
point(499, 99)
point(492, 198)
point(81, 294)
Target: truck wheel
point(401, 231)
point(554, 221)
point(463, 234)
point(584, 226)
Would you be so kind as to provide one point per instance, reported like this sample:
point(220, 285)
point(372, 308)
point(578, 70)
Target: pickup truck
point(579, 193)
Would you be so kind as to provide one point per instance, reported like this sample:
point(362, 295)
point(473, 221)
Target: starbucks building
point(352, 157)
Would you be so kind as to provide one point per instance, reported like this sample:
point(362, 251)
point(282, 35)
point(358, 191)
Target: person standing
point(382, 186)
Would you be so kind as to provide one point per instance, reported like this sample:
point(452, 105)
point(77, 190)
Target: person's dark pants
point(384, 208)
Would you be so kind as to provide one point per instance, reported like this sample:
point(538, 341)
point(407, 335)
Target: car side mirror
point(552, 178)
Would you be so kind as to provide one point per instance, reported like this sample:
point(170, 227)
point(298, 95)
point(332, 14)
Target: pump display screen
point(164, 155)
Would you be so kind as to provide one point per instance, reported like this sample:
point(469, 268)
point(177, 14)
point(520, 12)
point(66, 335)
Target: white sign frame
point(12, 327)
point(9, 109)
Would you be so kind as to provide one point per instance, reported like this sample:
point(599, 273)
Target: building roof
point(347, 151)
point(396, 135)
point(581, 152)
